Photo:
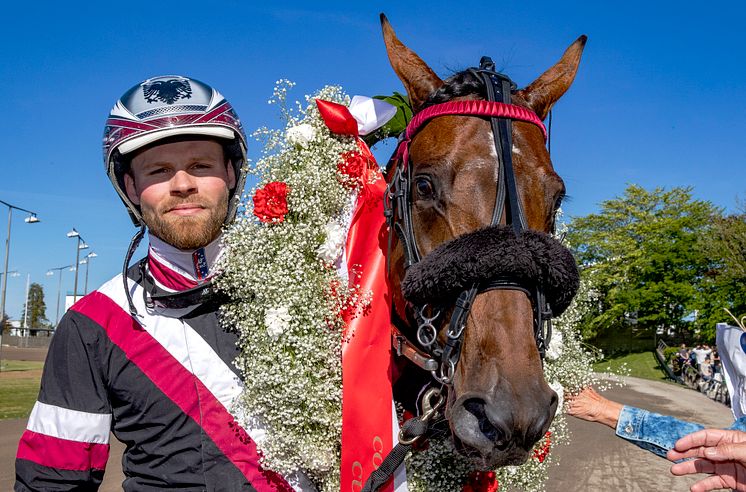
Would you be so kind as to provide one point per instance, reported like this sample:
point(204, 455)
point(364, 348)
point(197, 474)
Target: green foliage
point(37, 309)
point(395, 125)
point(724, 285)
point(669, 354)
point(641, 254)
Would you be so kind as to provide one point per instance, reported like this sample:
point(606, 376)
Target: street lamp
point(81, 245)
point(31, 219)
point(13, 273)
point(50, 272)
point(85, 261)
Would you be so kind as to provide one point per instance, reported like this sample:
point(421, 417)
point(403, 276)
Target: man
point(144, 356)
point(701, 352)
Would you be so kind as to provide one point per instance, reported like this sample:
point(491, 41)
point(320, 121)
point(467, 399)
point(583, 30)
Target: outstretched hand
point(589, 405)
point(720, 453)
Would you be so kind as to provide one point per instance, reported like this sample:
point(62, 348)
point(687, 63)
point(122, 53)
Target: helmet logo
point(167, 91)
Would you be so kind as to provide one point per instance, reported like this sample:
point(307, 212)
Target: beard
point(186, 232)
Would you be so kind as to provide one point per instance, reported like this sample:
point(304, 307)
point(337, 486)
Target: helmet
point(169, 106)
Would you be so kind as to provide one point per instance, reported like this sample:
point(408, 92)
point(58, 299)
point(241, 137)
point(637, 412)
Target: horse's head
point(499, 404)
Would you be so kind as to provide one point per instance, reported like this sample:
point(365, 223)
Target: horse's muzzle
point(502, 433)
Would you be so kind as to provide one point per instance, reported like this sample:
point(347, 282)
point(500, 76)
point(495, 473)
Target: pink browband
point(490, 109)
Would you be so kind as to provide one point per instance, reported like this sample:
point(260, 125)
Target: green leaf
point(395, 125)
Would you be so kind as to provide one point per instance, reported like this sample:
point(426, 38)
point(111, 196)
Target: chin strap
point(134, 243)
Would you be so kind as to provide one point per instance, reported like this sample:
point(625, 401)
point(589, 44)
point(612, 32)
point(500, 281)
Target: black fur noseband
point(529, 258)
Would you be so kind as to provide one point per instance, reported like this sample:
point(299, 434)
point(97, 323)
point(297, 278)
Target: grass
point(640, 365)
point(19, 387)
point(20, 365)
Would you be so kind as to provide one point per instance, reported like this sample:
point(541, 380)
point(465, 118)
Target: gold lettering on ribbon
point(357, 467)
point(357, 475)
point(378, 454)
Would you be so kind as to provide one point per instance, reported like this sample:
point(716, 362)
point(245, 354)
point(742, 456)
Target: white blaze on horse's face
point(499, 404)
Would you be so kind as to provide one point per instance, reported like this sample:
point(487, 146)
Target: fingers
point(706, 437)
point(693, 466)
point(727, 452)
point(714, 482)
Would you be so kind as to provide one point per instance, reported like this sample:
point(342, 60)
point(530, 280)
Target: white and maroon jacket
point(163, 383)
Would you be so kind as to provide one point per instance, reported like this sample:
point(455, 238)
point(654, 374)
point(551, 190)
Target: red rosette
point(271, 202)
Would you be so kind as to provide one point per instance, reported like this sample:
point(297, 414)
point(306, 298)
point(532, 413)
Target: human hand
point(589, 405)
point(720, 453)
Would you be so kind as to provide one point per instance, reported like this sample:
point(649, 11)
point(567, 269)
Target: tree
point(724, 285)
point(641, 252)
point(5, 324)
point(37, 309)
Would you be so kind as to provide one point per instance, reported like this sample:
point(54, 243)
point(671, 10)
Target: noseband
point(429, 353)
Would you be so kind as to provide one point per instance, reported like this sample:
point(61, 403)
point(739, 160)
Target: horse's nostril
point(492, 431)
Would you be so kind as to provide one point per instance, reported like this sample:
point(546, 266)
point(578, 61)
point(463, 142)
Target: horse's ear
point(419, 80)
point(543, 92)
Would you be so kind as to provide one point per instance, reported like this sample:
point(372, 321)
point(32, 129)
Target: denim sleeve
point(739, 425)
point(654, 432)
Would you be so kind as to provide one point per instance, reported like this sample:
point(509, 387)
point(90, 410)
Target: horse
point(476, 273)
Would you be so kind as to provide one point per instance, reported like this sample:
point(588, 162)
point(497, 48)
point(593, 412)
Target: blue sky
point(659, 99)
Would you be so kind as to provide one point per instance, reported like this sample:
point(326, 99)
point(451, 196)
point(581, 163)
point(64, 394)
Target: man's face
point(182, 190)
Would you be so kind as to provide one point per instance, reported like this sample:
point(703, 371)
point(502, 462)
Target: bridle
point(558, 277)
point(429, 353)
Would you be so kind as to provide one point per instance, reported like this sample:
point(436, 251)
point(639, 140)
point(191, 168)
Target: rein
point(428, 353)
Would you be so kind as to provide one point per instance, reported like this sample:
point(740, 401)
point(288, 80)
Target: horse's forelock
point(460, 84)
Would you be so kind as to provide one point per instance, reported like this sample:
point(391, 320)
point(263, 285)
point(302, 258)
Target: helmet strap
point(134, 243)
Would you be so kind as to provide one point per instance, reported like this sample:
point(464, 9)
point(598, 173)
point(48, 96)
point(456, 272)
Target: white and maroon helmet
point(171, 106)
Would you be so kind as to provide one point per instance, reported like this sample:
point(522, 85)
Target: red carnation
point(542, 452)
point(354, 165)
point(271, 202)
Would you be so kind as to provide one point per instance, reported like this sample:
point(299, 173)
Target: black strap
point(412, 429)
point(134, 243)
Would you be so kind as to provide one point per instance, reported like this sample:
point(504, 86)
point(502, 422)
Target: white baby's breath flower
point(277, 321)
point(331, 250)
point(554, 351)
point(300, 135)
point(557, 388)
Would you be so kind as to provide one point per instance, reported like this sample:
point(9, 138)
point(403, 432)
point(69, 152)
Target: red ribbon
point(367, 400)
point(337, 118)
point(367, 397)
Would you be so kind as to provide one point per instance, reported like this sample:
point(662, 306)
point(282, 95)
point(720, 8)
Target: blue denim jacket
point(658, 433)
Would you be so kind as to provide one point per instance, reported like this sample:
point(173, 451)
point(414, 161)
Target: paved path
point(596, 460)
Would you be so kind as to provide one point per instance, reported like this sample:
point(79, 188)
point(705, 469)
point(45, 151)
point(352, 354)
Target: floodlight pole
point(29, 220)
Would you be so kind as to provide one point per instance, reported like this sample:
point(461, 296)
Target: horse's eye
point(424, 187)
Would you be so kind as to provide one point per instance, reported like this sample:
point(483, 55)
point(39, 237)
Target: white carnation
point(554, 351)
point(557, 388)
point(300, 135)
point(277, 321)
point(332, 248)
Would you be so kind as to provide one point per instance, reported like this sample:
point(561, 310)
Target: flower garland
point(287, 298)
point(281, 266)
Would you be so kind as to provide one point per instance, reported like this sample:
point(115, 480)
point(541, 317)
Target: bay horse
point(471, 247)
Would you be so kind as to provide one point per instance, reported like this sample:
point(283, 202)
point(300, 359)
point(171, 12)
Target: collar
point(176, 270)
